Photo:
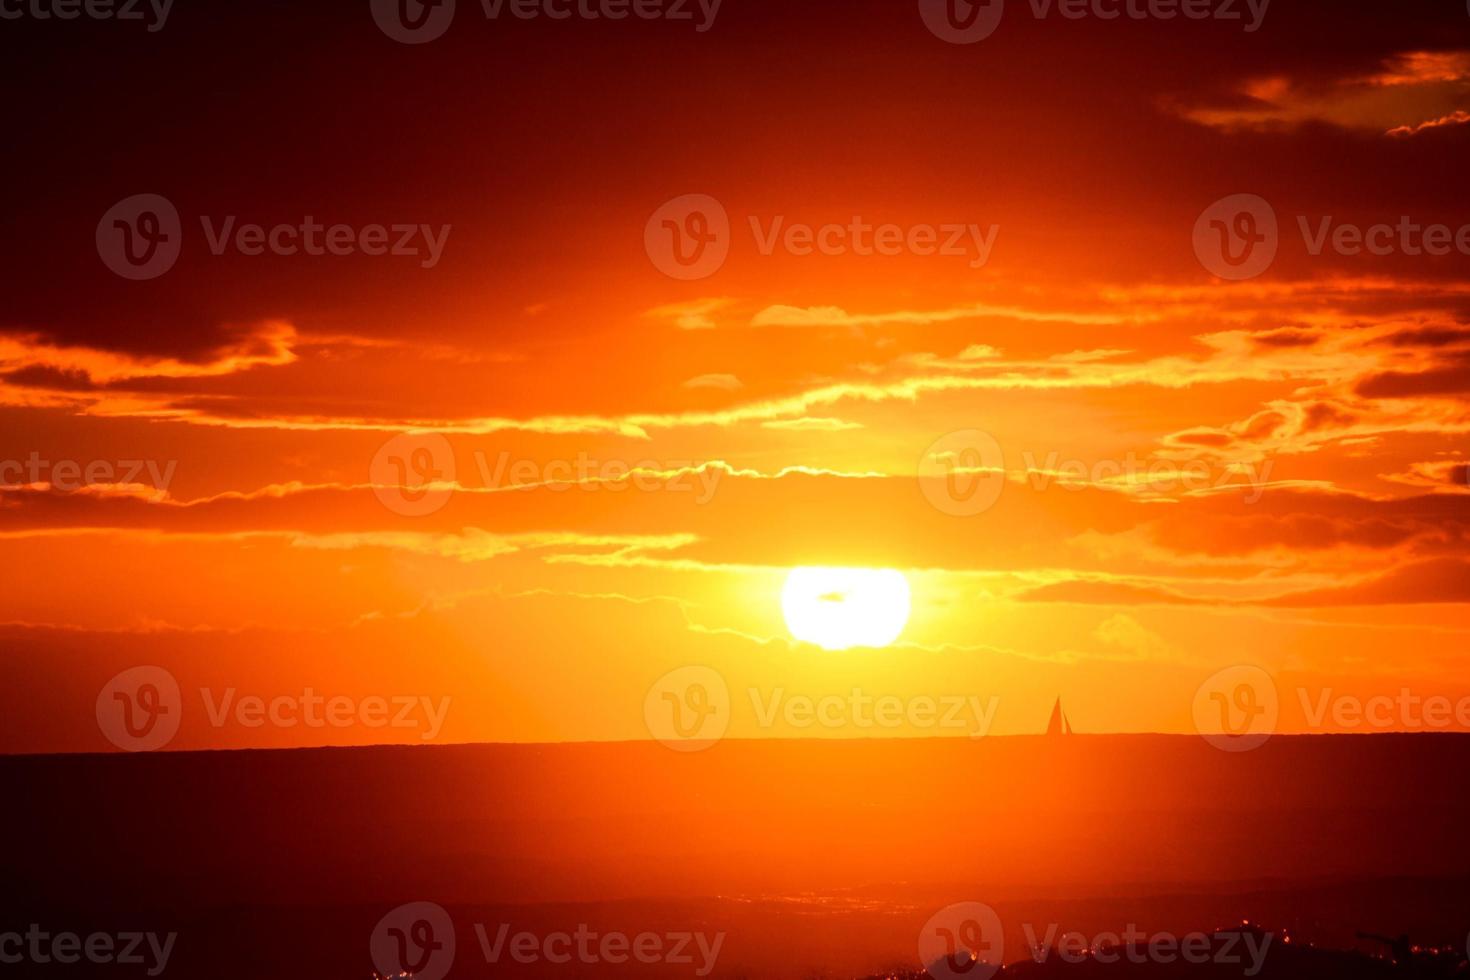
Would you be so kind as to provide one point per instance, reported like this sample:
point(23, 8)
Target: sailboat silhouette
point(1058, 724)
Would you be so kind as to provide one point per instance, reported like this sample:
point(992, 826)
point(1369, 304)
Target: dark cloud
point(1451, 378)
point(1102, 594)
point(501, 129)
point(52, 379)
point(1440, 580)
point(1286, 337)
point(1428, 337)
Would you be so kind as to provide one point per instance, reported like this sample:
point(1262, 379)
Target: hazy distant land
point(813, 857)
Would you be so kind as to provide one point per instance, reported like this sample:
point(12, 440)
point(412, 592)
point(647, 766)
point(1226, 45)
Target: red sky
point(778, 410)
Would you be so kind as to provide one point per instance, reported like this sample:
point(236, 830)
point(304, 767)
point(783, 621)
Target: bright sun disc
point(840, 608)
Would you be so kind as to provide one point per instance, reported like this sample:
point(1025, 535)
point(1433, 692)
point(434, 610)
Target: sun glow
point(840, 608)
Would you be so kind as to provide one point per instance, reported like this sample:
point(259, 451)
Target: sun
point(841, 608)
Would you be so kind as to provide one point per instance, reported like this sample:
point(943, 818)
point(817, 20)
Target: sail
point(1058, 724)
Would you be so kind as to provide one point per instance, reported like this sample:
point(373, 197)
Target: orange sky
point(778, 411)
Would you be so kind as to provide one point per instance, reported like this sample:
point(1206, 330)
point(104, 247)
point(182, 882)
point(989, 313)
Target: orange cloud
point(264, 345)
point(1396, 99)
